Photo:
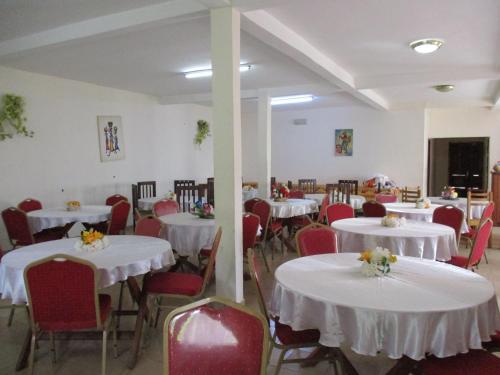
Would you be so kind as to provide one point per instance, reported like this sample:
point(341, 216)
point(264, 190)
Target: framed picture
point(343, 142)
point(111, 145)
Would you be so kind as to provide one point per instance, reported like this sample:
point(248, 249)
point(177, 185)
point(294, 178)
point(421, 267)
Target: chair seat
point(470, 234)
point(458, 261)
point(205, 252)
point(105, 309)
point(185, 284)
point(276, 226)
point(288, 336)
point(473, 363)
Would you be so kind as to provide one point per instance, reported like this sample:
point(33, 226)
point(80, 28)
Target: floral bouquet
point(91, 240)
point(72, 206)
point(449, 193)
point(203, 210)
point(376, 262)
point(393, 221)
point(423, 203)
point(248, 188)
point(280, 192)
point(171, 195)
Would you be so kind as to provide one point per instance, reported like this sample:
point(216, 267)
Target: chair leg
point(158, 310)
point(32, 353)
point(11, 315)
point(264, 258)
point(104, 349)
point(280, 362)
point(52, 346)
point(120, 301)
point(115, 334)
point(485, 257)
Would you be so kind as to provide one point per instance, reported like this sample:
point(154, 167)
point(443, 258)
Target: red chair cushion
point(185, 284)
point(205, 253)
point(288, 336)
point(473, 363)
point(458, 261)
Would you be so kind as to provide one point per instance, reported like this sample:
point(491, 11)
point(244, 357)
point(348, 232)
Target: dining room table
point(476, 209)
point(421, 307)
point(292, 207)
point(414, 238)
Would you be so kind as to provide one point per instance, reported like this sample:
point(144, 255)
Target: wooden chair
point(474, 199)
point(411, 195)
point(146, 189)
point(211, 191)
point(135, 205)
point(185, 192)
point(352, 184)
point(343, 193)
point(307, 185)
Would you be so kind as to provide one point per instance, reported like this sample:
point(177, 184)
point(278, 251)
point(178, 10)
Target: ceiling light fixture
point(444, 88)
point(279, 100)
point(426, 45)
point(209, 72)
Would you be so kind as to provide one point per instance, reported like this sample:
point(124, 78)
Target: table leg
point(22, 359)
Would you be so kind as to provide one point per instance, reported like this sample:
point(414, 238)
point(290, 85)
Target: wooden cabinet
point(495, 188)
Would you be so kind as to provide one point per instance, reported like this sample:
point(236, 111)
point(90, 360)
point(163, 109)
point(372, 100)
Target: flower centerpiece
point(449, 193)
point(171, 195)
point(91, 240)
point(393, 221)
point(376, 262)
point(280, 192)
point(72, 206)
point(248, 188)
point(203, 210)
point(423, 203)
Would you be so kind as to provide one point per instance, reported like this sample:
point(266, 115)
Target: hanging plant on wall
point(12, 116)
point(202, 133)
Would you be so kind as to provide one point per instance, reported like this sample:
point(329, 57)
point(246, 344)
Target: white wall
point(64, 153)
point(391, 143)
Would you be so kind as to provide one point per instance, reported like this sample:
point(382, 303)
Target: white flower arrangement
point(423, 203)
point(171, 195)
point(248, 188)
point(376, 262)
point(393, 221)
point(91, 241)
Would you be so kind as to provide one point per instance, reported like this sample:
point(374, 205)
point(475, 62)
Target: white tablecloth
point(476, 209)
point(292, 207)
point(146, 204)
point(416, 238)
point(316, 197)
point(249, 194)
point(356, 201)
point(58, 217)
point(188, 234)
point(421, 307)
point(125, 256)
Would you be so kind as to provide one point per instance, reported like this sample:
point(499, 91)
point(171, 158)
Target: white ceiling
point(368, 40)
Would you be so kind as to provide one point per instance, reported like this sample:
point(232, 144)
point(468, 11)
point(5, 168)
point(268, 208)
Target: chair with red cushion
point(249, 204)
point(119, 217)
point(296, 194)
point(339, 211)
point(251, 223)
point(215, 336)
point(478, 247)
point(114, 199)
point(30, 204)
point(62, 297)
point(373, 209)
point(165, 207)
point(493, 346)
point(18, 229)
point(316, 239)
point(469, 236)
point(13, 307)
point(475, 362)
point(450, 216)
point(386, 198)
point(270, 228)
point(149, 226)
point(322, 211)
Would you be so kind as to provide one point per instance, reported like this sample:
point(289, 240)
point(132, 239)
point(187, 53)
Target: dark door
point(466, 166)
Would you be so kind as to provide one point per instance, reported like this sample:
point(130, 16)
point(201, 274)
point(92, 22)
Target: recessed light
point(444, 88)
point(426, 45)
point(209, 72)
point(280, 100)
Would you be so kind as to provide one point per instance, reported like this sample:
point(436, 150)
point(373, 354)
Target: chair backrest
point(351, 185)
point(451, 216)
point(30, 204)
point(251, 224)
point(187, 192)
point(215, 336)
point(480, 243)
point(62, 292)
point(209, 270)
point(338, 211)
point(307, 185)
point(296, 194)
point(255, 275)
point(18, 228)
point(373, 209)
point(488, 211)
point(211, 191)
point(316, 239)
point(149, 226)
point(272, 183)
point(263, 210)
point(322, 211)
point(475, 198)
point(119, 216)
point(386, 198)
point(112, 200)
point(249, 204)
point(146, 189)
point(411, 194)
point(165, 207)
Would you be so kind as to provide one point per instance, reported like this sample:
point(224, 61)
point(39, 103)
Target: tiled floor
point(84, 357)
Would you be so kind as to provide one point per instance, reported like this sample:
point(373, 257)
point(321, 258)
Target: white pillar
point(264, 144)
point(226, 129)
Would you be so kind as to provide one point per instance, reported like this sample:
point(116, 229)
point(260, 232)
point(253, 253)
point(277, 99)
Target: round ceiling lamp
point(444, 88)
point(425, 46)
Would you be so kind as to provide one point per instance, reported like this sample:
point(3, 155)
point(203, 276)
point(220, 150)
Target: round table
point(292, 207)
point(318, 197)
point(416, 238)
point(188, 234)
point(421, 307)
point(60, 216)
point(125, 256)
point(476, 209)
point(146, 204)
point(356, 201)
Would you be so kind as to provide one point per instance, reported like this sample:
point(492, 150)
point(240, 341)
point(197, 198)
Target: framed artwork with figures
point(343, 142)
point(111, 145)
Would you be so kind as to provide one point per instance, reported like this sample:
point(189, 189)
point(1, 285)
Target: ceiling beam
point(271, 31)
point(242, 5)
point(101, 25)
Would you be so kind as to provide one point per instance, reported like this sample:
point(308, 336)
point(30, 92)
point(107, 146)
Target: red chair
point(475, 362)
point(338, 211)
point(487, 214)
point(114, 199)
point(215, 336)
point(316, 239)
point(493, 346)
point(373, 209)
point(149, 226)
point(450, 216)
point(30, 204)
point(270, 228)
point(18, 229)
point(478, 247)
point(249, 204)
point(119, 217)
point(251, 223)
point(62, 297)
point(165, 207)
point(296, 194)
point(386, 198)
point(322, 211)
point(13, 308)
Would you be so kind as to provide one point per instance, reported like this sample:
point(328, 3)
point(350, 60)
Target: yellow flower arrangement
point(377, 262)
point(91, 240)
point(89, 236)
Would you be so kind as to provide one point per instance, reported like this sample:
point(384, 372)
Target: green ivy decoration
point(12, 113)
point(202, 133)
